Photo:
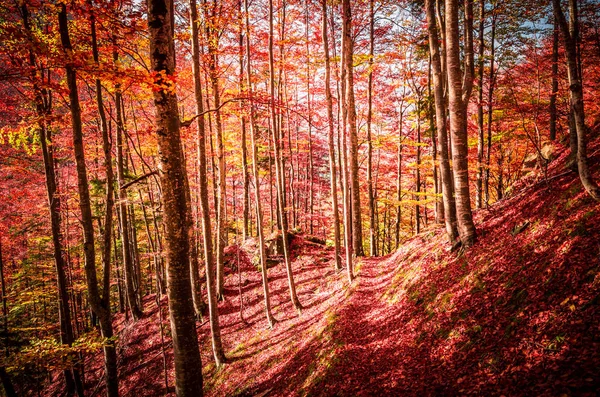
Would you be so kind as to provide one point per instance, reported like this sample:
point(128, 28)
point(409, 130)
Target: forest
point(299, 197)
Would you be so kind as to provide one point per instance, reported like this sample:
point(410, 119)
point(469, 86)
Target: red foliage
point(515, 315)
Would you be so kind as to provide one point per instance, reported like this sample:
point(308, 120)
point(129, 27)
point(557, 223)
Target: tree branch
point(188, 122)
point(138, 179)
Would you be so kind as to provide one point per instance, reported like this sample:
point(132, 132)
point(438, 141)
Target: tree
point(570, 33)
point(480, 135)
point(350, 105)
point(279, 172)
point(209, 258)
point(212, 21)
point(255, 174)
point(188, 378)
point(330, 141)
point(43, 102)
point(110, 354)
point(554, 93)
point(372, 202)
point(441, 126)
point(128, 263)
point(459, 91)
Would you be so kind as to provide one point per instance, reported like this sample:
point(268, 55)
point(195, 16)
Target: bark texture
point(459, 89)
point(188, 376)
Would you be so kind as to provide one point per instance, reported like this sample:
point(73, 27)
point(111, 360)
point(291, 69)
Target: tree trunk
point(245, 174)
point(128, 266)
point(441, 126)
point(490, 110)
point(188, 377)
point(418, 167)
point(437, 186)
point(570, 33)
point(459, 91)
point(43, 103)
point(349, 103)
point(9, 389)
point(372, 225)
point(480, 135)
point(344, 168)
point(399, 181)
point(554, 80)
point(110, 353)
point(212, 36)
point(199, 305)
point(310, 173)
point(255, 172)
point(213, 309)
point(332, 169)
point(94, 298)
point(278, 167)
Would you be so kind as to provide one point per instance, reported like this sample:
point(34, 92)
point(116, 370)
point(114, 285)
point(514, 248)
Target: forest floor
point(517, 314)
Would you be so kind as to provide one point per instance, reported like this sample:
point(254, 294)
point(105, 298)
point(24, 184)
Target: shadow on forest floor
point(517, 314)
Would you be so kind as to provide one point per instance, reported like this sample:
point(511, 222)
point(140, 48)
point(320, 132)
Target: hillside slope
point(517, 314)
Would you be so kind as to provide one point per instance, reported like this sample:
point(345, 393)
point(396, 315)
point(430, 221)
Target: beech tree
point(459, 92)
point(570, 34)
point(99, 306)
point(350, 106)
point(188, 381)
point(441, 125)
point(330, 138)
point(207, 240)
point(279, 174)
point(43, 102)
point(256, 176)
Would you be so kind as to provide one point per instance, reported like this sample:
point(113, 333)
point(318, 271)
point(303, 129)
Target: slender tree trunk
point(110, 353)
point(441, 126)
point(95, 300)
point(255, 172)
point(199, 305)
point(554, 92)
point(332, 169)
point(245, 173)
point(188, 377)
point(212, 36)
point(9, 389)
point(399, 181)
point(490, 111)
point(371, 198)
point(352, 132)
point(418, 168)
point(279, 95)
point(570, 33)
point(42, 103)
point(310, 173)
point(128, 265)
point(278, 167)
point(437, 186)
point(480, 136)
point(344, 168)
point(459, 91)
point(211, 289)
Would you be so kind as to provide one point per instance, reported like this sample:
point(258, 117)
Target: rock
point(549, 151)
point(315, 239)
point(274, 243)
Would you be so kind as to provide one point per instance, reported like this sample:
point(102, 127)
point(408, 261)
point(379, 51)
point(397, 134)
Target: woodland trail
point(517, 314)
point(370, 348)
